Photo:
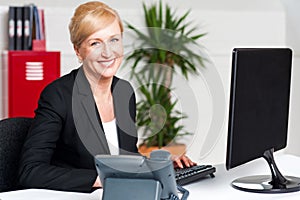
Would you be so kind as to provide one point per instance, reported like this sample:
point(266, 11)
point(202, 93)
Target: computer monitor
point(258, 115)
point(137, 176)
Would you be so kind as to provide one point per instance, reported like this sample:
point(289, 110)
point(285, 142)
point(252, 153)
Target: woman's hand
point(182, 161)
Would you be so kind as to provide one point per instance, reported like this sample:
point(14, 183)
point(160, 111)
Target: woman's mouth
point(107, 63)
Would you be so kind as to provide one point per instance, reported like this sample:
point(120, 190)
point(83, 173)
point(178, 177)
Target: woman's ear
point(76, 49)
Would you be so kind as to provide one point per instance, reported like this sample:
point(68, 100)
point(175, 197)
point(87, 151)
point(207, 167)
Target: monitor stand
point(277, 183)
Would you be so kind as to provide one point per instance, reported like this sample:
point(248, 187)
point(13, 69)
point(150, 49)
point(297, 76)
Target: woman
point(84, 113)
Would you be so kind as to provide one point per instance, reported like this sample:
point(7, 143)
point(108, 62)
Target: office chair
point(13, 132)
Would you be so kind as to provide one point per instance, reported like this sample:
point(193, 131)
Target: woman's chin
point(107, 73)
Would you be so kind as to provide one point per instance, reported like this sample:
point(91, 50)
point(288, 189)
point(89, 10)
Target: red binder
point(25, 74)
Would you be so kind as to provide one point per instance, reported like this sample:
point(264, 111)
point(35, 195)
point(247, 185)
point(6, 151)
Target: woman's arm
point(36, 165)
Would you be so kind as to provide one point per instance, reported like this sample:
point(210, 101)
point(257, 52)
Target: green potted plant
point(160, 50)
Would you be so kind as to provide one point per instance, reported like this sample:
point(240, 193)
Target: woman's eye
point(114, 40)
point(95, 43)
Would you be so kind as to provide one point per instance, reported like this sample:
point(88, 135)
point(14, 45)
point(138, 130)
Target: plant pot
point(174, 149)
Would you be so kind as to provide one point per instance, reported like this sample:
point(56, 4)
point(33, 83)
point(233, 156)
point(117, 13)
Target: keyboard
point(188, 175)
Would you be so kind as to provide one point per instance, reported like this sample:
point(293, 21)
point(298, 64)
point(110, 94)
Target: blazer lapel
point(85, 117)
point(125, 125)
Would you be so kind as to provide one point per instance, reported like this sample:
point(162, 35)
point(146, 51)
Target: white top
point(110, 130)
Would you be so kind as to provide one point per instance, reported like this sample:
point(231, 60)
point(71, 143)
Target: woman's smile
point(107, 63)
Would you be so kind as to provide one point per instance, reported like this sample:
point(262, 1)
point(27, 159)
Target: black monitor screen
point(259, 105)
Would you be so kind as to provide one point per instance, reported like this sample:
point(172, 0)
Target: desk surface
point(216, 188)
point(220, 188)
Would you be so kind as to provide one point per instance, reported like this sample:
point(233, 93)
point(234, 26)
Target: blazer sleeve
point(36, 169)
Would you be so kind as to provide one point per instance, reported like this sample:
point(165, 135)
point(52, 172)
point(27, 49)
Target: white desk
point(220, 188)
point(210, 188)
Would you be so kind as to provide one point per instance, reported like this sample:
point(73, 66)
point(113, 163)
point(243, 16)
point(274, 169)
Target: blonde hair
point(89, 18)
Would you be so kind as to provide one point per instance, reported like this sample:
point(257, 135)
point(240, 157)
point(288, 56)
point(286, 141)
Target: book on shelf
point(11, 28)
point(19, 27)
point(26, 28)
point(42, 23)
point(36, 27)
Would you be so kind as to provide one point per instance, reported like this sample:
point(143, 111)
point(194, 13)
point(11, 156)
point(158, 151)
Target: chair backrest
point(13, 132)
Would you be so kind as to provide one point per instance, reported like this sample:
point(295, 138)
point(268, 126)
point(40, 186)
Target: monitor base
point(263, 184)
point(276, 183)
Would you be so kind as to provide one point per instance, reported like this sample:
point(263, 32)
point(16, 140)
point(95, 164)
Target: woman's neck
point(101, 89)
point(98, 84)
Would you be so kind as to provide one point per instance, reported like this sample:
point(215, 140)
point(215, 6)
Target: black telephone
point(137, 177)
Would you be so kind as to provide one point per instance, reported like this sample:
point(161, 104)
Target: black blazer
point(67, 133)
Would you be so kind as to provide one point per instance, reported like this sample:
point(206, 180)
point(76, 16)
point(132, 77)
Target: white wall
point(229, 24)
point(292, 8)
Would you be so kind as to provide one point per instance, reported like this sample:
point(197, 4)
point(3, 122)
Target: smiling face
point(96, 35)
point(102, 52)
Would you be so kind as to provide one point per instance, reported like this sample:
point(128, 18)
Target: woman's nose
point(106, 51)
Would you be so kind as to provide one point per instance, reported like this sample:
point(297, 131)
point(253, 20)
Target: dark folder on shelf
point(27, 27)
point(11, 28)
point(19, 27)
